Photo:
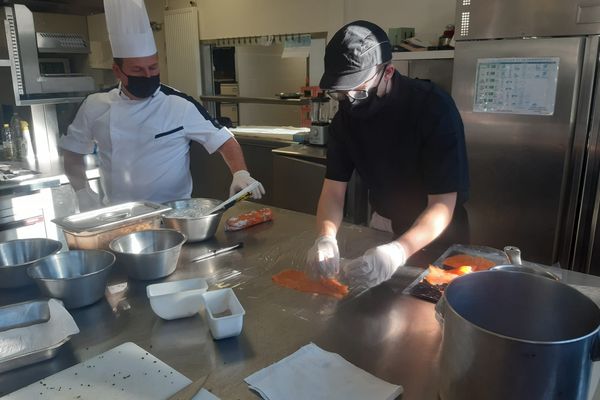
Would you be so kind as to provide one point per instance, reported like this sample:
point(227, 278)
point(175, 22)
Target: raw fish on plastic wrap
point(248, 219)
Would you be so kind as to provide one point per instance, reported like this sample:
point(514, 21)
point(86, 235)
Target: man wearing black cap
point(405, 138)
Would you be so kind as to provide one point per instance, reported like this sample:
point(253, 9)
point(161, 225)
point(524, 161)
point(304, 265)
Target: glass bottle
point(26, 143)
point(7, 141)
point(17, 138)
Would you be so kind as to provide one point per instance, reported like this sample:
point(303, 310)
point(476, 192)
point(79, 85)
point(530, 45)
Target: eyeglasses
point(353, 95)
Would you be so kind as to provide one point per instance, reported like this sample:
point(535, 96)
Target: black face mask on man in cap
point(367, 107)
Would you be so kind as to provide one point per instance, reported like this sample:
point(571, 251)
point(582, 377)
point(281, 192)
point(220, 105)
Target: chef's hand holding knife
point(376, 265)
point(242, 179)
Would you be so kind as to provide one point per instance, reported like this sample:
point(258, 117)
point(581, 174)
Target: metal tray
point(424, 290)
point(22, 315)
point(108, 218)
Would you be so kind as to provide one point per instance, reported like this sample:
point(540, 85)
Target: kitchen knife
point(191, 390)
point(241, 195)
point(212, 253)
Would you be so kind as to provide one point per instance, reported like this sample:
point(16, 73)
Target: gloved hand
point(87, 199)
point(323, 258)
point(242, 179)
point(375, 266)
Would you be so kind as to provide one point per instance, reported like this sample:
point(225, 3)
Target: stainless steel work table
point(390, 335)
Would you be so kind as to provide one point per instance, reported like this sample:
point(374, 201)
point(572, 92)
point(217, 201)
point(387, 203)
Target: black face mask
point(142, 86)
point(366, 107)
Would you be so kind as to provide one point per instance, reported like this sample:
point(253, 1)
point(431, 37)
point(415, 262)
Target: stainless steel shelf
point(423, 55)
point(259, 100)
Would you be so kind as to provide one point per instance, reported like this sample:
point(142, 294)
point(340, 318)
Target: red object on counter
point(248, 219)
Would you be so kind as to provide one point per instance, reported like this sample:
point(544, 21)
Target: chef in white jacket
point(141, 129)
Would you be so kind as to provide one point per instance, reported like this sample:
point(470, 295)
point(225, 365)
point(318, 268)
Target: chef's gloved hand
point(242, 179)
point(375, 266)
point(87, 199)
point(323, 258)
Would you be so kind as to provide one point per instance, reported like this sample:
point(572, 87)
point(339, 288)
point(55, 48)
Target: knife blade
point(191, 390)
point(212, 253)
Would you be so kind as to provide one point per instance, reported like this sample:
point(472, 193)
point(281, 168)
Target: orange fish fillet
point(298, 280)
point(476, 263)
point(439, 276)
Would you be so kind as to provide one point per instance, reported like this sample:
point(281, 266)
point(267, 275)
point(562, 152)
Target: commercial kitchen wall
point(261, 72)
point(234, 18)
point(238, 18)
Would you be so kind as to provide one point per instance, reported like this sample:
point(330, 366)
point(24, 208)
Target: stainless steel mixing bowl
point(184, 217)
point(17, 255)
point(148, 254)
point(77, 277)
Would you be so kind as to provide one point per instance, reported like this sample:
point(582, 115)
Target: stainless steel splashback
point(493, 19)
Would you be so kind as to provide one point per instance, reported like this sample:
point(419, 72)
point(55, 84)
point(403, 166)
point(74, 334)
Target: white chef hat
point(129, 28)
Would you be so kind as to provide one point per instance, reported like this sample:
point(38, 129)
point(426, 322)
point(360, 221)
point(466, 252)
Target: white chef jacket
point(143, 145)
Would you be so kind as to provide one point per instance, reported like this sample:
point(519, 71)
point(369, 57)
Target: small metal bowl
point(77, 277)
point(17, 255)
point(183, 217)
point(148, 254)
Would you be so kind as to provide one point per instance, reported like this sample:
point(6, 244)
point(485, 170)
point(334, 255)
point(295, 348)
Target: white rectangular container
point(218, 302)
point(177, 299)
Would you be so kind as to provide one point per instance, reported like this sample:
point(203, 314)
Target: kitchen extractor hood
point(76, 7)
point(42, 67)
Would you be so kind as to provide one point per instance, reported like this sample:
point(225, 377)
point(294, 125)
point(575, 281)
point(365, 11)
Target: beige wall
point(428, 17)
point(234, 18)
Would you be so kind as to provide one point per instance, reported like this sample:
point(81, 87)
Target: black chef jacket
point(411, 147)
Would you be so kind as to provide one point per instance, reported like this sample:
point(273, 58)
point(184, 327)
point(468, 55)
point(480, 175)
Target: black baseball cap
point(353, 53)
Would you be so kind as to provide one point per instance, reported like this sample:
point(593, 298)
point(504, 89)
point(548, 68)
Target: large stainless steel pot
point(516, 265)
point(516, 336)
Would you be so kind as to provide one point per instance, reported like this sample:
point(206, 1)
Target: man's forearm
point(331, 207)
point(233, 155)
point(430, 223)
point(75, 169)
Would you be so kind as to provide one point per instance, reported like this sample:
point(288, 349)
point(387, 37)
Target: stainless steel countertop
point(303, 151)
point(390, 335)
point(51, 174)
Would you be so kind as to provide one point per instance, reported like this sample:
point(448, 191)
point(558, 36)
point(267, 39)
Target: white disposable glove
point(87, 199)
point(323, 258)
point(242, 179)
point(375, 266)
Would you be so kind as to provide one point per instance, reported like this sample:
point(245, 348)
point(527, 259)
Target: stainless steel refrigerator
point(526, 83)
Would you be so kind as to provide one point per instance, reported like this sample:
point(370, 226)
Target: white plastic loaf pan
point(225, 313)
point(177, 299)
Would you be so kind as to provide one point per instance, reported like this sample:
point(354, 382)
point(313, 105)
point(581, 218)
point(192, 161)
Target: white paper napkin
point(312, 373)
point(204, 394)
